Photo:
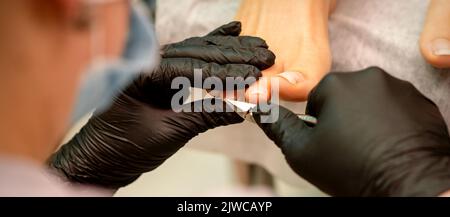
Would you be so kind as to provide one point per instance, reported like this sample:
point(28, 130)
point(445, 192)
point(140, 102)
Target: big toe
point(435, 38)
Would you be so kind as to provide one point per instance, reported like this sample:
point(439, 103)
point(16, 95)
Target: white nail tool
point(244, 109)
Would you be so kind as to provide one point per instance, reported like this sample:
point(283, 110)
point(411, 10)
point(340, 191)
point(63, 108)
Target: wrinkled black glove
point(376, 136)
point(140, 130)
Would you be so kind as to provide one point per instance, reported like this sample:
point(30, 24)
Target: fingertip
point(235, 28)
point(265, 58)
point(230, 29)
point(236, 24)
point(276, 128)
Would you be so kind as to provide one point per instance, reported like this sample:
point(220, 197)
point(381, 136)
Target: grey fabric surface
point(363, 33)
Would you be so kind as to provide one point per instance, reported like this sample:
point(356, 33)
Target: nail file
point(244, 110)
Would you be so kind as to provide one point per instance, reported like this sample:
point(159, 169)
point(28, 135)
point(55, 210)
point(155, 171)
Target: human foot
point(297, 31)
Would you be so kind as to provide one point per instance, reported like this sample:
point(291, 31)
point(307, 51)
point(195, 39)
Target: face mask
point(104, 79)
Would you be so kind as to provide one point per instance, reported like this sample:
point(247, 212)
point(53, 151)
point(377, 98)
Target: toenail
point(440, 47)
point(292, 77)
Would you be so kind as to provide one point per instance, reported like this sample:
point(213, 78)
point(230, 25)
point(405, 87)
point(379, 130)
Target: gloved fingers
point(240, 41)
point(313, 105)
point(172, 68)
point(175, 75)
point(287, 128)
point(225, 41)
point(259, 57)
point(206, 114)
point(323, 91)
point(232, 28)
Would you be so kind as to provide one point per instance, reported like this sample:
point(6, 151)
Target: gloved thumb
point(286, 128)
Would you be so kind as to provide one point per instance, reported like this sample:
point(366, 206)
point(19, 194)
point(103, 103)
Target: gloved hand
point(220, 54)
point(376, 136)
point(140, 130)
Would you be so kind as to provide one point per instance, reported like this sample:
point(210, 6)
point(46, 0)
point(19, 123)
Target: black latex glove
point(140, 131)
point(376, 136)
point(222, 53)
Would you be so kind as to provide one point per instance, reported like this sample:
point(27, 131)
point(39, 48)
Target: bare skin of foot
point(435, 38)
point(297, 32)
